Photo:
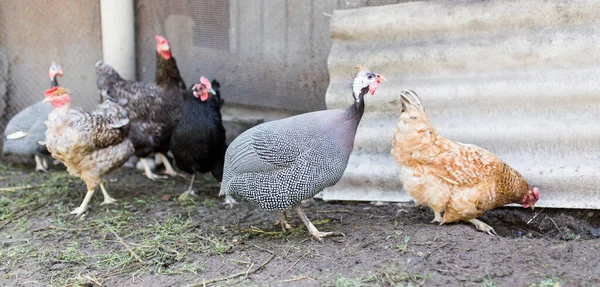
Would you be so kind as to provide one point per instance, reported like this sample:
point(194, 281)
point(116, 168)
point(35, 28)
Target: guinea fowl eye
point(370, 77)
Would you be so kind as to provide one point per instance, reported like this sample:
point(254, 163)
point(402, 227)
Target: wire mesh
point(35, 33)
point(265, 53)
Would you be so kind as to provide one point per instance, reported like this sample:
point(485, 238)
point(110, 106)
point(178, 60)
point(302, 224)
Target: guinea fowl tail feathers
point(410, 98)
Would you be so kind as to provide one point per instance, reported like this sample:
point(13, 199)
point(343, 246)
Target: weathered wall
point(517, 78)
point(268, 54)
point(34, 33)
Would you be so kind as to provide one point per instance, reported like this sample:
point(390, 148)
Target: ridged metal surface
point(518, 78)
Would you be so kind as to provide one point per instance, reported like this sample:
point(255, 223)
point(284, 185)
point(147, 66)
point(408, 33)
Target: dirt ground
point(205, 243)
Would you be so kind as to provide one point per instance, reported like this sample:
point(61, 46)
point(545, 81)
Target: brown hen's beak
point(381, 79)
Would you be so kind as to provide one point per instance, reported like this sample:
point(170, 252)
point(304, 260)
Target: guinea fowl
point(153, 111)
point(278, 164)
point(90, 145)
point(198, 142)
point(25, 129)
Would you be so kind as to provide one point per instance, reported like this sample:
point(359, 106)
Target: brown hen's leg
point(480, 225)
point(148, 172)
point(282, 219)
point(438, 217)
point(312, 229)
point(107, 198)
point(84, 205)
point(168, 167)
point(39, 164)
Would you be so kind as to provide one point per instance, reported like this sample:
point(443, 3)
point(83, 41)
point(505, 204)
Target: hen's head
point(55, 70)
point(58, 97)
point(162, 47)
point(365, 81)
point(203, 89)
point(531, 198)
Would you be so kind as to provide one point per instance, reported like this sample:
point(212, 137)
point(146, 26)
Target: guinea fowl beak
point(381, 79)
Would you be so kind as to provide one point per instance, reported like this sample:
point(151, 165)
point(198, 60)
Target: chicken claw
point(438, 217)
point(229, 201)
point(107, 198)
point(481, 226)
point(312, 229)
point(149, 173)
point(79, 211)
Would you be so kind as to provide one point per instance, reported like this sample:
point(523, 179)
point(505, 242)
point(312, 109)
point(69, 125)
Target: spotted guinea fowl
point(153, 111)
point(25, 129)
point(90, 145)
point(198, 142)
point(278, 164)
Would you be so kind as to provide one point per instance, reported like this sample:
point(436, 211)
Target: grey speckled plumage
point(30, 121)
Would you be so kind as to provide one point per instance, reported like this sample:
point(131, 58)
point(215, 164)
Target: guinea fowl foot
point(229, 201)
point(438, 217)
point(40, 164)
point(481, 226)
point(283, 221)
point(312, 229)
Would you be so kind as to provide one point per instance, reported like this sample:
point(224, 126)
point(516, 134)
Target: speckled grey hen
point(278, 164)
point(27, 128)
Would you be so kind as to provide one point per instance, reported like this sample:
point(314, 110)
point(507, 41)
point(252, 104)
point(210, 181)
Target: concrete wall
point(518, 78)
point(34, 33)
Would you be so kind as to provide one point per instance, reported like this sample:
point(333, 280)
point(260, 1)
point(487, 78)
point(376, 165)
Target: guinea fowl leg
point(283, 220)
point(107, 198)
point(168, 167)
point(84, 205)
point(190, 190)
point(312, 229)
point(39, 164)
point(148, 172)
point(480, 225)
point(438, 217)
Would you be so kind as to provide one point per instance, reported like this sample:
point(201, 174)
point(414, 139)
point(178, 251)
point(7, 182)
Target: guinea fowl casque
point(90, 145)
point(278, 164)
point(198, 142)
point(460, 180)
point(153, 111)
point(26, 129)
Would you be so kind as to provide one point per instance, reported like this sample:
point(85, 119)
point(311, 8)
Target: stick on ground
point(124, 244)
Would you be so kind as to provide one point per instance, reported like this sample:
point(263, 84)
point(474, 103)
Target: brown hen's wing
point(462, 164)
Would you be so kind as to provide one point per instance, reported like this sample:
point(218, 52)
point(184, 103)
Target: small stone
point(58, 266)
point(595, 232)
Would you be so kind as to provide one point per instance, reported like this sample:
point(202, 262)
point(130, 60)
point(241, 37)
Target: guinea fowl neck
point(356, 110)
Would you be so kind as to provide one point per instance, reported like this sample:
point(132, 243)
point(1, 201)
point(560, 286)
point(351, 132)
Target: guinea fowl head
point(162, 47)
point(365, 81)
point(203, 89)
point(55, 70)
point(58, 97)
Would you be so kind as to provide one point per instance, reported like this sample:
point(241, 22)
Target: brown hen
point(459, 180)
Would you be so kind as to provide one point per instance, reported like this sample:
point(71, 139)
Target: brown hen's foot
point(40, 164)
point(438, 217)
point(107, 198)
point(282, 220)
point(312, 229)
point(84, 205)
point(480, 225)
point(149, 173)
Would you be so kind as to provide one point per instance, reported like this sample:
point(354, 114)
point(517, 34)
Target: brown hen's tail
point(410, 98)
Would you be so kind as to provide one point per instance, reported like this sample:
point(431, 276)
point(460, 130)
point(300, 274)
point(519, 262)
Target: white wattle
point(16, 135)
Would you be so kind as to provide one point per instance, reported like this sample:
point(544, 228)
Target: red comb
point(160, 39)
point(204, 81)
point(50, 92)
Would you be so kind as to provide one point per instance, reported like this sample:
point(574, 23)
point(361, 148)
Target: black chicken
point(198, 142)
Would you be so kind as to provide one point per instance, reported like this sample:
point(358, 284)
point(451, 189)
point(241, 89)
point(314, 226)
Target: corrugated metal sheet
point(518, 78)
